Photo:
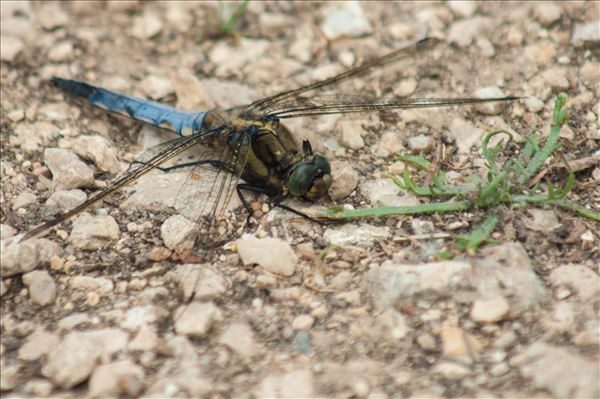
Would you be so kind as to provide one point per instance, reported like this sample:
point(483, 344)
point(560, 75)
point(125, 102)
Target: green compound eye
point(322, 164)
point(301, 179)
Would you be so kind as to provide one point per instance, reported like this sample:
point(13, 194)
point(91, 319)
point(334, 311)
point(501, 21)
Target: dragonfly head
point(311, 177)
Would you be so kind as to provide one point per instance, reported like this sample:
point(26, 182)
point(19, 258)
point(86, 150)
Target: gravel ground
point(119, 302)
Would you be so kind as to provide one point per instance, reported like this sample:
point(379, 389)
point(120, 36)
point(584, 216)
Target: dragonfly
point(249, 143)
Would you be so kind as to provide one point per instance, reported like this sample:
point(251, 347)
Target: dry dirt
point(363, 309)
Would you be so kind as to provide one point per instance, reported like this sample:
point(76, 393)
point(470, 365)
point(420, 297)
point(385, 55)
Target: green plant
point(504, 185)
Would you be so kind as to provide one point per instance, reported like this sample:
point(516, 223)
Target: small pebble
point(303, 322)
point(239, 337)
point(197, 319)
point(490, 311)
point(491, 108)
point(42, 288)
point(23, 200)
point(93, 232)
point(178, 233)
point(273, 254)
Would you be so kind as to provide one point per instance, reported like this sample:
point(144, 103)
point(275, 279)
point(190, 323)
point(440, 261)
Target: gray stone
point(51, 16)
point(464, 31)
point(37, 345)
point(558, 370)
point(420, 226)
point(72, 360)
point(533, 104)
point(60, 111)
point(39, 387)
point(100, 285)
point(546, 12)
point(272, 25)
point(344, 19)
point(588, 32)
point(72, 321)
point(201, 281)
point(61, 52)
point(542, 220)
point(6, 231)
point(556, 78)
point(419, 142)
point(458, 345)
point(389, 144)
point(303, 322)
point(463, 8)
point(196, 319)
point(42, 288)
point(156, 87)
point(139, 316)
point(108, 379)
point(33, 136)
point(391, 325)
point(341, 281)
point(345, 180)
point(94, 232)
point(146, 26)
point(579, 278)
point(9, 378)
point(145, 340)
point(65, 200)
point(350, 131)
point(490, 311)
point(23, 200)
point(239, 337)
point(427, 342)
point(233, 59)
point(294, 384)
point(503, 271)
point(96, 149)
point(384, 192)
point(10, 47)
point(178, 233)
point(465, 134)
point(108, 340)
point(161, 192)
point(406, 87)
point(22, 257)
point(67, 169)
point(273, 254)
point(348, 234)
point(191, 93)
point(491, 108)
point(541, 52)
point(451, 370)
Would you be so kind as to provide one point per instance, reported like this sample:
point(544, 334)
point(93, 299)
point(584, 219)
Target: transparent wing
point(207, 193)
point(148, 161)
point(342, 104)
point(410, 50)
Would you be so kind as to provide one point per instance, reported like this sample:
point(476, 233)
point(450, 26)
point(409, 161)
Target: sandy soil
point(116, 303)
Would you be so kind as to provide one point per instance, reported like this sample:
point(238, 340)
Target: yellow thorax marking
point(241, 123)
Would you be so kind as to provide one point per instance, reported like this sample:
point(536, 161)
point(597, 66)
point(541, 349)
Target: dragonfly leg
point(252, 188)
point(276, 202)
point(213, 162)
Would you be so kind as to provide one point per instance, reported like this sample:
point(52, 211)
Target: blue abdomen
point(150, 112)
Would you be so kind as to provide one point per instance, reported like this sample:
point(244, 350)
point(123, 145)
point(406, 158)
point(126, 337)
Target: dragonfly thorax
point(277, 164)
